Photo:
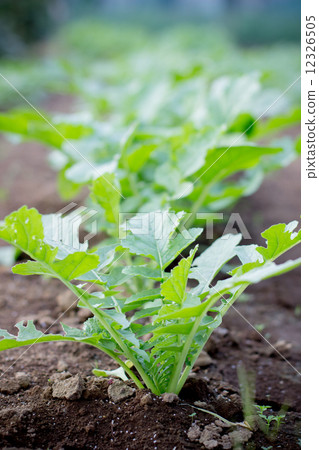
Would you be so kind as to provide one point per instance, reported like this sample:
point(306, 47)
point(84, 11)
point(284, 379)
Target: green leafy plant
point(155, 334)
point(270, 423)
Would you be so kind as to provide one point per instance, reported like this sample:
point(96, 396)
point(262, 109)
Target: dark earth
point(33, 417)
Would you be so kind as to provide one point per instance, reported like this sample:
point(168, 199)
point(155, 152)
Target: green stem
point(130, 176)
point(172, 387)
point(174, 384)
point(228, 422)
point(223, 311)
point(124, 348)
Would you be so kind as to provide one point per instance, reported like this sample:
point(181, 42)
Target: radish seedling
point(162, 330)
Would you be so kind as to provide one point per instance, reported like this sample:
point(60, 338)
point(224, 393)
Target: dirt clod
point(210, 436)
point(241, 436)
point(23, 379)
point(47, 393)
point(194, 433)
point(118, 391)
point(59, 377)
point(169, 397)
point(209, 443)
point(96, 387)
point(200, 404)
point(62, 366)
point(226, 442)
point(146, 399)
point(194, 389)
point(70, 388)
point(8, 387)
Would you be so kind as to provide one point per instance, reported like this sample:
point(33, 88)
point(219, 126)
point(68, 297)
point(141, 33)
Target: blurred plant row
point(179, 118)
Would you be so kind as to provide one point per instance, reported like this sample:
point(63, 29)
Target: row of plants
point(156, 143)
point(160, 120)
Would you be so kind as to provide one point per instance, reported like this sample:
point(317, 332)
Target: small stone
point(70, 388)
point(23, 379)
point(193, 433)
point(204, 359)
point(146, 399)
point(118, 391)
point(169, 397)
point(62, 366)
point(8, 387)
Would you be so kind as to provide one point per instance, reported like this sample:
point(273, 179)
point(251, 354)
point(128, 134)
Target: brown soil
point(32, 418)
